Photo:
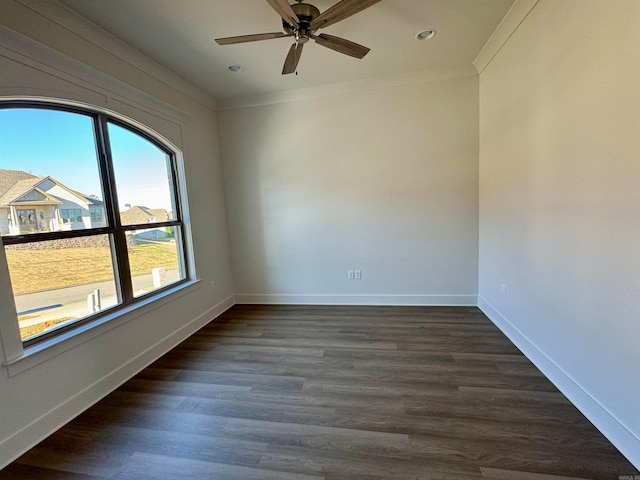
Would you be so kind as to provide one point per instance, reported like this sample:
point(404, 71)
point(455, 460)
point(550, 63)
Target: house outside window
point(75, 253)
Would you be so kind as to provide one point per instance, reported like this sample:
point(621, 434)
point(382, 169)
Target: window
point(105, 225)
point(27, 217)
point(71, 215)
point(96, 215)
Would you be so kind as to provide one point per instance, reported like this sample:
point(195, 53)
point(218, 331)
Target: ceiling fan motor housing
point(306, 13)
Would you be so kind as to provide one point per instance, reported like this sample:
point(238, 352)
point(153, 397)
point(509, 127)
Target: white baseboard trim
point(391, 300)
point(42, 427)
point(612, 428)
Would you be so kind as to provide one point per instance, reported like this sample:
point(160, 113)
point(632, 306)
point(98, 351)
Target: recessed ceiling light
point(425, 34)
point(235, 68)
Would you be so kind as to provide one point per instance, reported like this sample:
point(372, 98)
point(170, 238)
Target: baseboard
point(42, 427)
point(399, 300)
point(612, 428)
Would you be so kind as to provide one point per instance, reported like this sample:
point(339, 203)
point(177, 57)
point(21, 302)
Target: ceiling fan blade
point(341, 45)
point(283, 9)
point(251, 38)
point(340, 11)
point(293, 57)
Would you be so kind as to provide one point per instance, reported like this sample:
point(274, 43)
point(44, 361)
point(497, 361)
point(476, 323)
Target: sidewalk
point(72, 301)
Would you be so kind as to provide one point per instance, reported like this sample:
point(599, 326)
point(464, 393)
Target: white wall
point(42, 390)
point(383, 180)
point(560, 203)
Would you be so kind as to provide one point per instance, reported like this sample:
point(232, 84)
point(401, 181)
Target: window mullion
point(119, 251)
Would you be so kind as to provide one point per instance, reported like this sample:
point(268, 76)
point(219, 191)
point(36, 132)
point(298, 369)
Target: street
point(72, 301)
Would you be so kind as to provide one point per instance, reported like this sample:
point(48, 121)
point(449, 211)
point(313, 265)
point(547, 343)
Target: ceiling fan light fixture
point(426, 34)
point(235, 68)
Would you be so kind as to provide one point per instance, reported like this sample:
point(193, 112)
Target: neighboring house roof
point(9, 178)
point(137, 215)
point(93, 202)
point(16, 183)
point(21, 188)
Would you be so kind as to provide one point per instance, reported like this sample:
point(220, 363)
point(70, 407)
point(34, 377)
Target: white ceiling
point(179, 35)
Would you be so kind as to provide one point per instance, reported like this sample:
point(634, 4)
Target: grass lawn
point(26, 332)
point(39, 270)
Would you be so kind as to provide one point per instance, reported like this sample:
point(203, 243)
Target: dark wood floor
point(296, 393)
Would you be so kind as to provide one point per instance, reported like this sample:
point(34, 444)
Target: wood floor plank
point(308, 344)
point(16, 471)
point(332, 400)
point(184, 389)
point(559, 416)
point(376, 443)
point(145, 466)
point(165, 422)
point(499, 474)
point(337, 465)
point(282, 413)
point(332, 393)
point(195, 446)
point(88, 460)
point(519, 457)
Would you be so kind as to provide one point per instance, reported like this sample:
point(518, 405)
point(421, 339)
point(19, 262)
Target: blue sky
point(140, 168)
point(61, 145)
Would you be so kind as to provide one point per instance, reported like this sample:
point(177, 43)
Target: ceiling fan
point(301, 21)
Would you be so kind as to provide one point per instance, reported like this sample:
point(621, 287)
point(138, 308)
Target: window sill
point(50, 348)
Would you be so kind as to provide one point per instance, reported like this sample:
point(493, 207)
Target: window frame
point(116, 232)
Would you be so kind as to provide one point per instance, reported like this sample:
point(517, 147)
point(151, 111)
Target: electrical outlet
point(213, 285)
point(354, 274)
point(503, 290)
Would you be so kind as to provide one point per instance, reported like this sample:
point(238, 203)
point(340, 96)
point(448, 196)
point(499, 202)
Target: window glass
point(143, 178)
point(154, 258)
point(48, 171)
point(57, 282)
point(67, 262)
point(96, 215)
point(26, 220)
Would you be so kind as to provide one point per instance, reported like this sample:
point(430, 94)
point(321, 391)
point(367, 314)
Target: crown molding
point(509, 24)
point(412, 78)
